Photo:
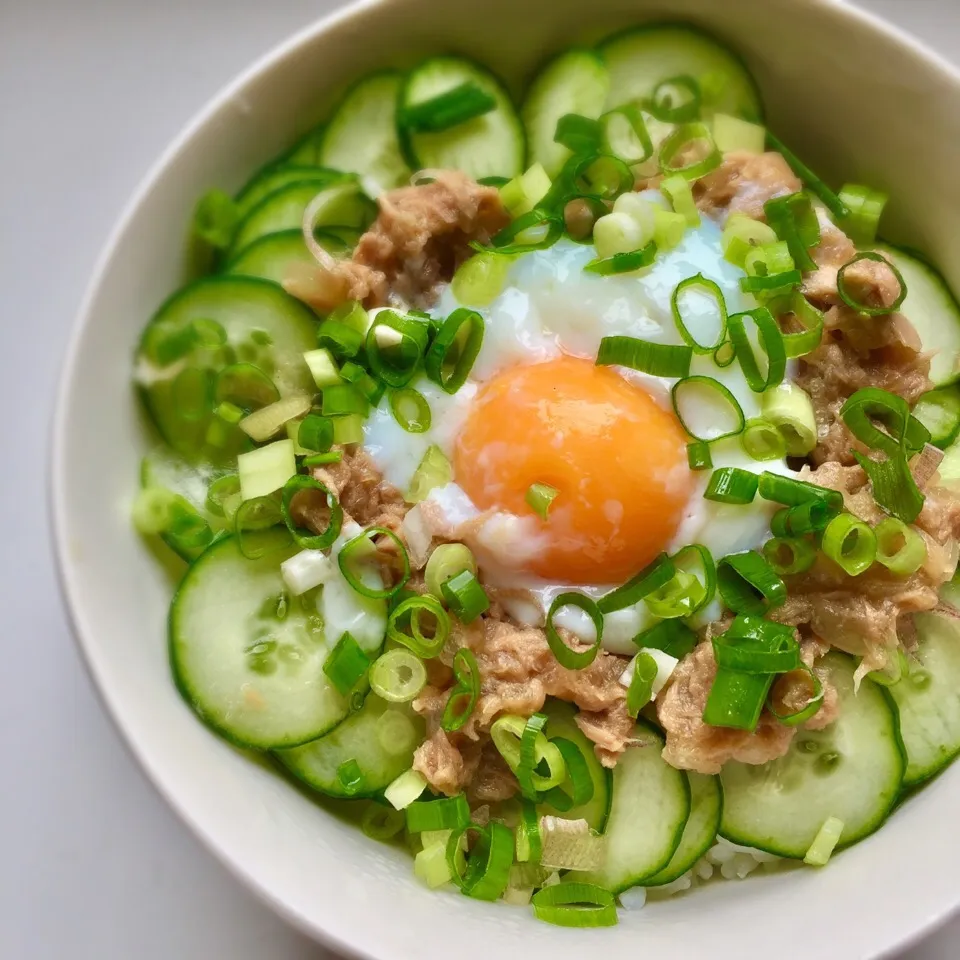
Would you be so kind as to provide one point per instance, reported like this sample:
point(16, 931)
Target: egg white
point(550, 307)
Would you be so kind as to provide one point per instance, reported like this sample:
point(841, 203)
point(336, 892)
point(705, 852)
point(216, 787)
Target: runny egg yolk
point(617, 459)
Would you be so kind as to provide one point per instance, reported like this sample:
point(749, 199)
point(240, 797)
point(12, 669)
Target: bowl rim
point(856, 16)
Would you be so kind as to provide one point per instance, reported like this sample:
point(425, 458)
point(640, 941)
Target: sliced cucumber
point(641, 58)
point(700, 833)
point(939, 412)
point(852, 770)
point(277, 176)
point(574, 82)
point(562, 724)
point(307, 149)
point(492, 145)
point(246, 308)
point(283, 210)
point(362, 136)
point(249, 663)
point(932, 308)
point(270, 256)
point(381, 738)
point(649, 809)
point(928, 699)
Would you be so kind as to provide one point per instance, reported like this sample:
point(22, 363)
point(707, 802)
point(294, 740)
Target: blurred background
point(93, 866)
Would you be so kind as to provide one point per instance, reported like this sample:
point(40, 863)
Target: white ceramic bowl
point(860, 101)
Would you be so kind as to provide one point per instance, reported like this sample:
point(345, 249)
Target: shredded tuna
point(744, 182)
point(493, 780)
point(611, 730)
point(420, 237)
point(362, 492)
point(446, 768)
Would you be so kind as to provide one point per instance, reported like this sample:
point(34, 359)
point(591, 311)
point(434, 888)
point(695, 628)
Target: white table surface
point(93, 866)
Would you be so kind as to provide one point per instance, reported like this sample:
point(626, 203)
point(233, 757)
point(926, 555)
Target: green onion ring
point(713, 290)
point(708, 383)
point(850, 543)
point(566, 657)
point(446, 342)
point(359, 543)
point(684, 135)
point(801, 555)
point(410, 409)
point(861, 308)
point(488, 866)
point(748, 584)
point(423, 646)
point(771, 339)
point(463, 697)
point(304, 537)
point(575, 905)
point(650, 578)
point(809, 710)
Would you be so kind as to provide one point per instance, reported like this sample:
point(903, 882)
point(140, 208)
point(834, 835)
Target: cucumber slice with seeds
point(852, 770)
point(362, 136)
point(283, 209)
point(648, 812)
point(641, 58)
point(492, 145)
point(277, 176)
point(932, 308)
point(261, 323)
point(928, 699)
point(246, 656)
point(380, 738)
point(574, 82)
point(700, 832)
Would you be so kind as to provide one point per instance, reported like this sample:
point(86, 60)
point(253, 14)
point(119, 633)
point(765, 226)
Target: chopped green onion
point(266, 469)
point(381, 822)
point(215, 218)
point(346, 664)
point(650, 578)
point(681, 597)
point(537, 230)
point(829, 199)
point(731, 485)
point(309, 538)
point(762, 441)
point(767, 652)
point(748, 584)
point(741, 235)
point(794, 220)
point(678, 191)
point(679, 143)
point(448, 109)
point(566, 657)
point(696, 401)
point(480, 280)
point(725, 354)
point(395, 345)
point(825, 842)
point(529, 845)
point(668, 228)
point(810, 517)
point(223, 496)
point(577, 787)
point(789, 409)
point(809, 709)
point(863, 307)
point(869, 406)
point(451, 813)
point(657, 359)
point(572, 904)
point(397, 676)
point(343, 399)
point(771, 285)
point(701, 285)
point(732, 134)
point(487, 870)
point(807, 317)
point(360, 551)
point(341, 340)
point(434, 471)
point(899, 547)
point(463, 697)
point(736, 699)
point(315, 433)
point(348, 429)
point(521, 194)
point(623, 262)
point(671, 636)
point(255, 526)
point(698, 455)
point(580, 135)
point(153, 510)
point(465, 597)
point(698, 556)
point(454, 350)
point(771, 340)
point(245, 386)
point(229, 412)
point(536, 750)
point(675, 100)
point(624, 135)
point(791, 492)
point(894, 487)
point(405, 789)
point(864, 208)
point(640, 691)
point(620, 232)
point(323, 368)
point(603, 176)
point(323, 459)
point(407, 613)
point(789, 555)
point(446, 561)
point(430, 864)
point(850, 543)
point(539, 497)
point(350, 777)
point(410, 409)
point(570, 845)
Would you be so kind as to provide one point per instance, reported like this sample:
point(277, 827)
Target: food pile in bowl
point(567, 494)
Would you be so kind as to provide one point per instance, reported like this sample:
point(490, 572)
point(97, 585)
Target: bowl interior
point(859, 102)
